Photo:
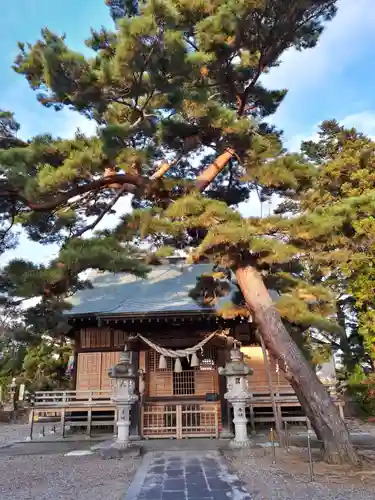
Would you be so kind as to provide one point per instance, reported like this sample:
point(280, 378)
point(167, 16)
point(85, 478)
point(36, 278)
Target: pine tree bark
point(213, 170)
point(276, 415)
point(348, 360)
point(315, 400)
point(162, 169)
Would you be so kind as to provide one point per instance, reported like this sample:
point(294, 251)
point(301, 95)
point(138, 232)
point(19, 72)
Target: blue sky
point(333, 80)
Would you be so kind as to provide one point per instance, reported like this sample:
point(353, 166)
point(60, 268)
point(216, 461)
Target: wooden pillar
point(135, 410)
point(89, 421)
point(225, 417)
point(276, 411)
point(77, 343)
point(31, 423)
point(62, 422)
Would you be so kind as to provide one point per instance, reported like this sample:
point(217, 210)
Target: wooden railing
point(165, 419)
point(60, 405)
point(91, 398)
point(52, 399)
point(260, 405)
point(281, 393)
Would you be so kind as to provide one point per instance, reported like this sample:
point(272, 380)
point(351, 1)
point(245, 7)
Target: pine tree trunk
point(276, 415)
point(348, 360)
point(314, 399)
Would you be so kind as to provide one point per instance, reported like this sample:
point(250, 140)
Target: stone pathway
point(186, 476)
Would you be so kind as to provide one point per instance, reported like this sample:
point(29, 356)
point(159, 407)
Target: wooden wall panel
point(89, 371)
point(92, 370)
point(160, 384)
point(95, 337)
point(119, 338)
point(253, 356)
point(164, 383)
point(142, 361)
point(205, 382)
point(109, 359)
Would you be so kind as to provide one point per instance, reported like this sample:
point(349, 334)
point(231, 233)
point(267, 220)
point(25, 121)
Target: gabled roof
point(165, 291)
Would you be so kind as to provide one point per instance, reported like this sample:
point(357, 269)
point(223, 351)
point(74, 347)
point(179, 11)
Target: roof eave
point(140, 315)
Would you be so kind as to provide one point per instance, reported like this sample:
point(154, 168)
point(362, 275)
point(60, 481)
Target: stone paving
point(186, 476)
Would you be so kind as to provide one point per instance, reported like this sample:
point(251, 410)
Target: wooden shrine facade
point(160, 308)
point(189, 403)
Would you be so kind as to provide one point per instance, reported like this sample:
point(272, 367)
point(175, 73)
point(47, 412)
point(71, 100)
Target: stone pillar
point(241, 439)
point(135, 410)
point(123, 378)
point(226, 425)
point(236, 372)
point(123, 424)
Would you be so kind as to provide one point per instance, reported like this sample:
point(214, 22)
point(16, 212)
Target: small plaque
point(211, 396)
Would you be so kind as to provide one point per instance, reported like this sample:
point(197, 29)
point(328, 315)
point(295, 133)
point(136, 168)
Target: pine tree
point(170, 86)
point(122, 8)
point(345, 160)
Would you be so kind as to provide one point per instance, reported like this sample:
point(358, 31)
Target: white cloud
point(30, 250)
point(62, 123)
point(122, 207)
point(293, 143)
point(364, 122)
point(72, 121)
point(343, 40)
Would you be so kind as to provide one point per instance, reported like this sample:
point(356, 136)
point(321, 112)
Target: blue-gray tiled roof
point(165, 290)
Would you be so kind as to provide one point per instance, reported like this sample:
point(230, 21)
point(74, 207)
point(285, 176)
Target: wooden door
point(109, 359)
point(89, 371)
point(92, 370)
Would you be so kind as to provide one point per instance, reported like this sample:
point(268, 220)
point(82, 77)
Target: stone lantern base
point(112, 450)
point(234, 444)
point(241, 438)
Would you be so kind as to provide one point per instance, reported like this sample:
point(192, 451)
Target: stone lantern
point(123, 395)
point(237, 394)
point(12, 387)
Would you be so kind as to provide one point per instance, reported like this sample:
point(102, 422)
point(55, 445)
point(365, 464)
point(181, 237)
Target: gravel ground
point(356, 425)
point(57, 477)
point(13, 433)
point(267, 482)
point(64, 478)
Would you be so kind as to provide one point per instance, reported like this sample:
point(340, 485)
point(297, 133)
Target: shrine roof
point(165, 290)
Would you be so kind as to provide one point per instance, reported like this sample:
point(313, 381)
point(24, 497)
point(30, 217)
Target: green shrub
point(361, 388)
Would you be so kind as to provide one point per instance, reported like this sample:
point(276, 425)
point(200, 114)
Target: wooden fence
point(176, 418)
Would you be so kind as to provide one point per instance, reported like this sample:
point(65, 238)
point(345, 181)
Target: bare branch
point(124, 188)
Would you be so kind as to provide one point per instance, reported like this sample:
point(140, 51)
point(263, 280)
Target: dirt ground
point(295, 462)
point(355, 425)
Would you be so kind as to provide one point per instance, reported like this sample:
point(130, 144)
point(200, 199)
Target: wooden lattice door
point(92, 370)
point(89, 371)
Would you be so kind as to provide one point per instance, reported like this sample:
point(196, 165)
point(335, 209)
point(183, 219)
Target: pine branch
point(3, 234)
point(61, 198)
point(266, 59)
point(89, 227)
